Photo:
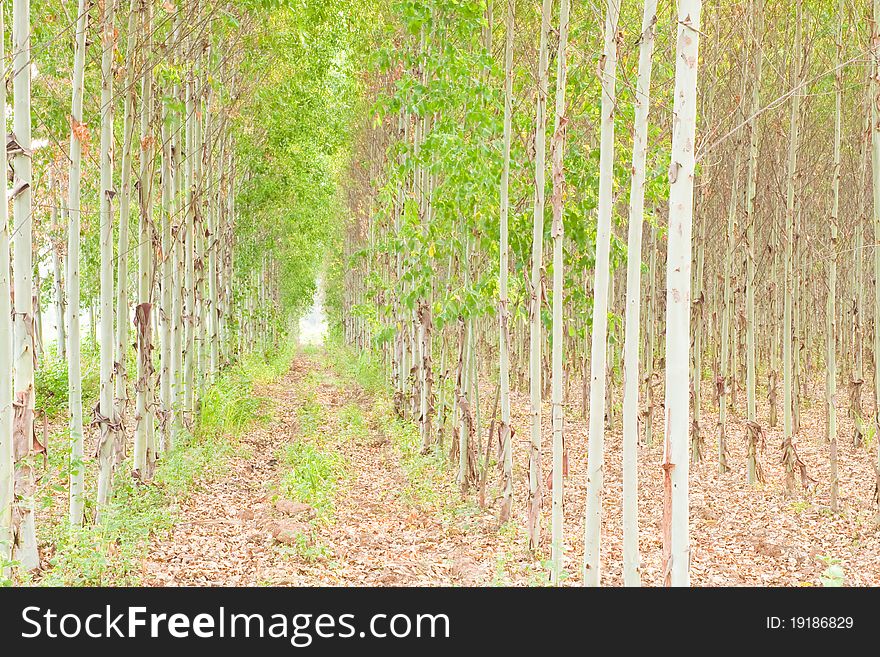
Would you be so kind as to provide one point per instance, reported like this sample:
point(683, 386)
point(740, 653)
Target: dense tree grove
point(163, 187)
point(469, 283)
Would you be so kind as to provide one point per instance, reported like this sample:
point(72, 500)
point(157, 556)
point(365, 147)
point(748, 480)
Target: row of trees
point(188, 222)
point(447, 286)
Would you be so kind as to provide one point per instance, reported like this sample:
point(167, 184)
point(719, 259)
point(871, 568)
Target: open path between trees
point(330, 491)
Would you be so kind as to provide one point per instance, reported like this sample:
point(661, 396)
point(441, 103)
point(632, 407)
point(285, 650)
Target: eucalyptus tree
point(536, 333)
point(790, 457)
point(167, 283)
point(78, 135)
point(7, 459)
point(144, 448)
point(599, 347)
point(109, 438)
point(631, 568)
point(875, 162)
point(188, 239)
point(504, 254)
point(757, 20)
point(558, 233)
point(831, 309)
point(58, 248)
point(123, 309)
point(678, 295)
point(24, 529)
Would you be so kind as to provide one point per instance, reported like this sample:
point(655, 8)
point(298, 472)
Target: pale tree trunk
point(231, 260)
point(598, 348)
point(678, 297)
point(60, 325)
point(536, 333)
point(503, 309)
point(631, 568)
point(753, 429)
point(24, 527)
point(423, 314)
point(200, 154)
point(143, 437)
point(875, 161)
point(696, 428)
point(167, 373)
point(789, 454)
point(38, 312)
point(177, 282)
point(123, 313)
point(213, 245)
point(7, 460)
point(77, 135)
point(465, 423)
point(831, 311)
point(651, 338)
point(725, 382)
point(558, 172)
point(189, 265)
point(858, 300)
point(109, 441)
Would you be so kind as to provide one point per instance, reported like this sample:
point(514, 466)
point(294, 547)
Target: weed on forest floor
point(310, 475)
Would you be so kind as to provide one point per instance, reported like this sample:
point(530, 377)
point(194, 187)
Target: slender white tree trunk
point(536, 334)
point(60, 323)
point(189, 265)
point(831, 312)
point(143, 437)
point(178, 280)
point(503, 309)
point(7, 460)
point(789, 458)
point(558, 173)
point(598, 348)
point(25, 552)
point(751, 190)
point(167, 284)
point(678, 293)
point(123, 312)
point(109, 439)
point(875, 162)
point(77, 135)
point(631, 572)
point(213, 245)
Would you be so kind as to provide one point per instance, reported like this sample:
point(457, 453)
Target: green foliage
point(360, 367)
point(310, 475)
point(446, 81)
point(352, 420)
point(833, 575)
point(51, 382)
point(110, 553)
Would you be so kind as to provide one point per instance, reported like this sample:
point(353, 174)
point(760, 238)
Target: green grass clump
point(310, 475)
point(362, 368)
point(352, 420)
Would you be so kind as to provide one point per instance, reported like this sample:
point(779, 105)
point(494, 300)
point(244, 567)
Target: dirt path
point(373, 519)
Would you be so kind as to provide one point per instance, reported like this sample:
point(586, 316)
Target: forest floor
point(332, 491)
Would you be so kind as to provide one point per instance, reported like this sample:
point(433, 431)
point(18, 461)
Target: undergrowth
point(428, 484)
point(110, 553)
point(310, 475)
